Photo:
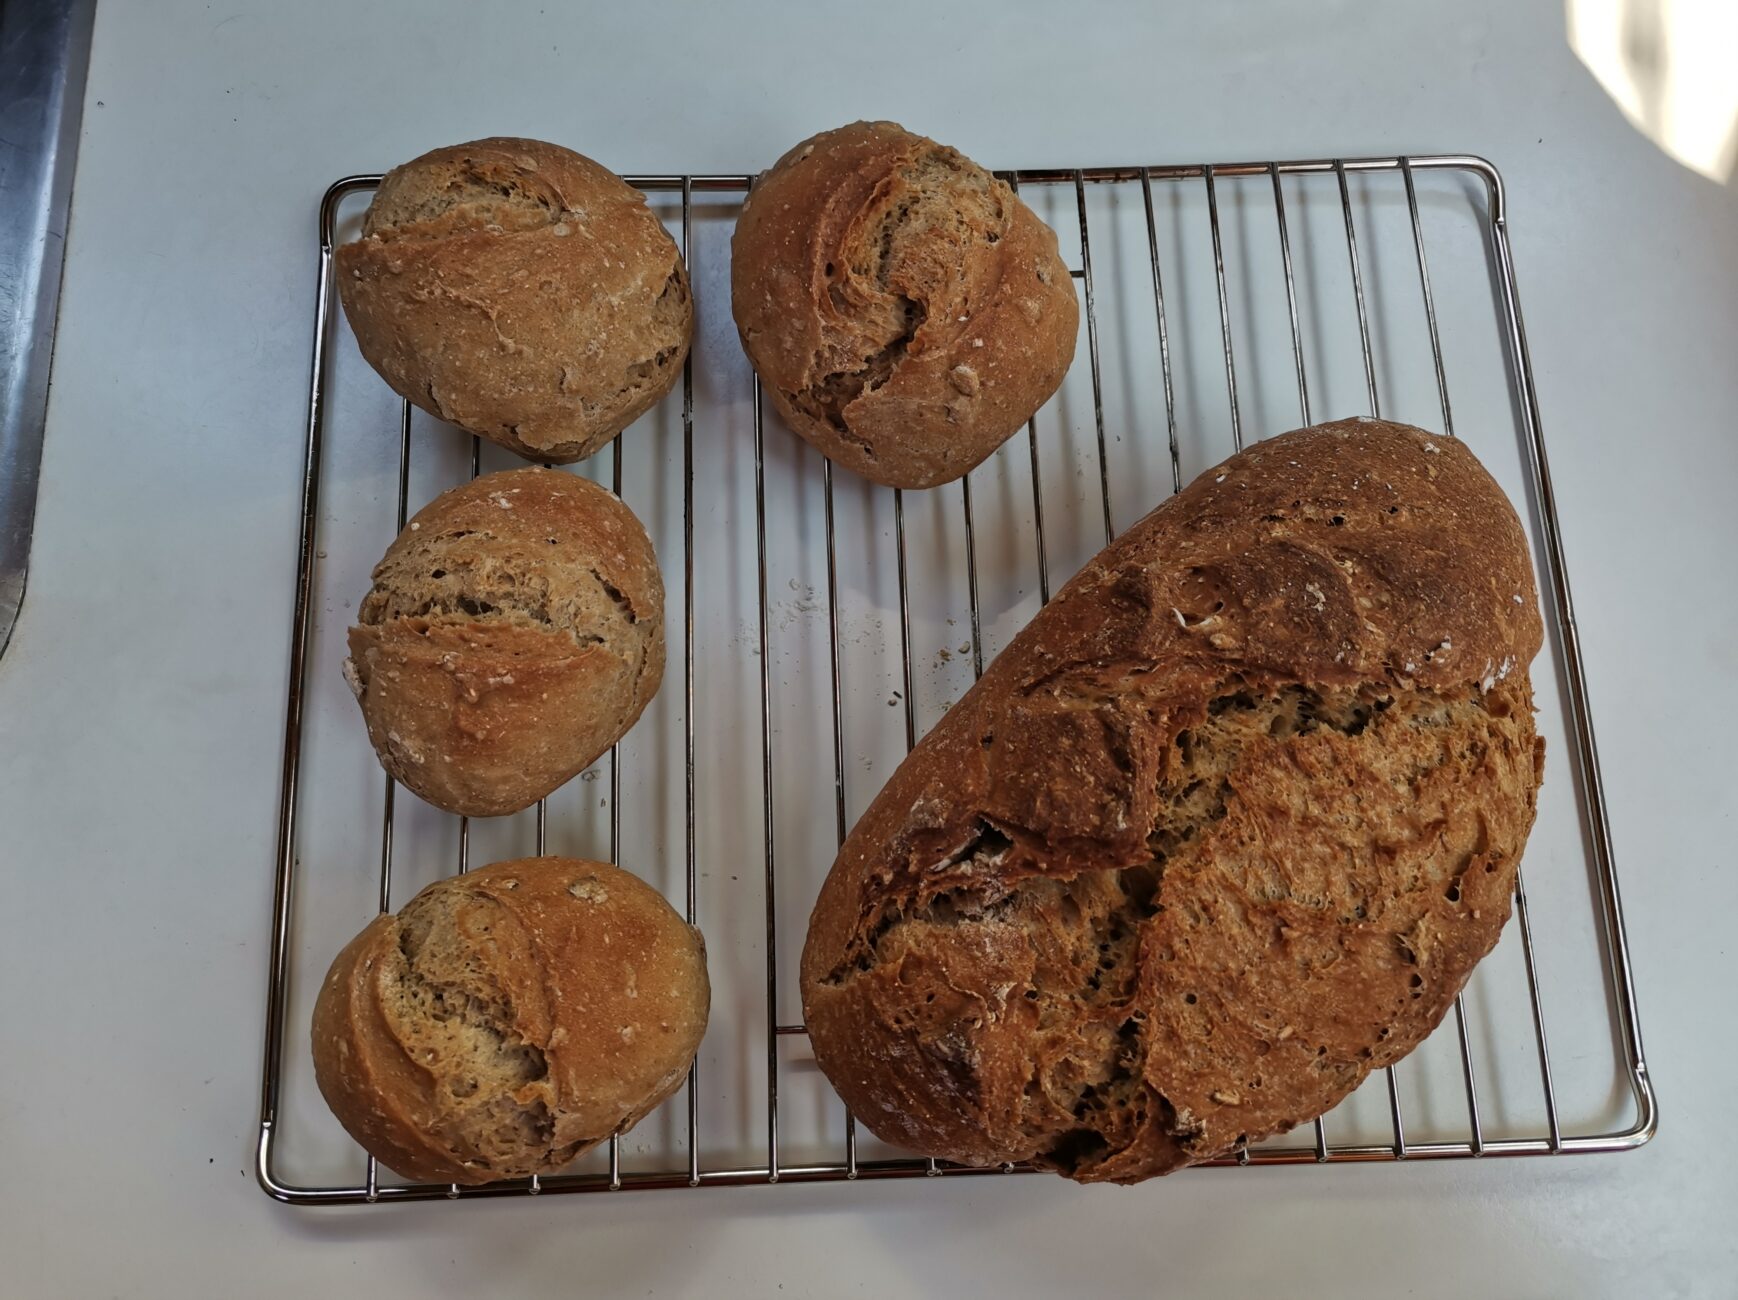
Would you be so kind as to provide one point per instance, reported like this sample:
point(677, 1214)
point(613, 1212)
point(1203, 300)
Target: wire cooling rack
point(1292, 290)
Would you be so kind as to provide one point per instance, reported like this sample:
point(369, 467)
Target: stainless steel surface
point(1613, 992)
point(1085, 274)
point(1224, 306)
point(44, 48)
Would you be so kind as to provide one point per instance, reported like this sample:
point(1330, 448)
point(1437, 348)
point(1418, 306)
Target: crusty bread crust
point(522, 292)
point(1223, 830)
point(506, 1021)
point(905, 310)
point(514, 632)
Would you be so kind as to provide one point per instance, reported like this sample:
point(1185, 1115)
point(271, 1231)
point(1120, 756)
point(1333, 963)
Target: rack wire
point(686, 1167)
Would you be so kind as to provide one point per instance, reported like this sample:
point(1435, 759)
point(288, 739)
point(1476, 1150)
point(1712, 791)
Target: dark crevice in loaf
point(641, 371)
point(566, 1155)
point(969, 902)
point(1075, 1148)
point(480, 1013)
point(479, 193)
point(670, 308)
point(1086, 930)
point(462, 586)
point(1106, 1066)
point(448, 1007)
point(828, 398)
point(1196, 791)
point(435, 403)
point(617, 597)
point(434, 606)
point(938, 193)
point(669, 320)
point(1197, 787)
point(952, 907)
point(1106, 1108)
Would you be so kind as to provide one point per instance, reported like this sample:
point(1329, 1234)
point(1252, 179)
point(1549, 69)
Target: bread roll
point(507, 1020)
point(1222, 831)
point(520, 291)
point(904, 309)
point(514, 632)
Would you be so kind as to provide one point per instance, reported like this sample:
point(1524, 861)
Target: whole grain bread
point(522, 292)
point(904, 309)
point(505, 1021)
point(1224, 829)
point(514, 632)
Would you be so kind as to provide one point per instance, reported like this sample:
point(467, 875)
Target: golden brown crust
point(904, 309)
point(508, 1020)
point(522, 292)
point(514, 632)
point(1224, 829)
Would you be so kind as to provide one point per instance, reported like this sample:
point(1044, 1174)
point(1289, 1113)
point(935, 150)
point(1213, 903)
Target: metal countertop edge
point(44, 55)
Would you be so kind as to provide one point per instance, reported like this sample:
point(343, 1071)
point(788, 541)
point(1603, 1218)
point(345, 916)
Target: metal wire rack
point(1629, 1120)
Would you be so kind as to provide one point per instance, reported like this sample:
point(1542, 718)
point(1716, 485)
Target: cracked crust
point(506, 1021)
point(520, 291)
point(905, 310)
point(514, 632)
point(1223, 830)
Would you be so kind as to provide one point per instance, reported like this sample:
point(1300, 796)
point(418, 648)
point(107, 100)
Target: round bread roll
point(514, 632)
point(905, 310)
point(520, 291)
point(508, 1020)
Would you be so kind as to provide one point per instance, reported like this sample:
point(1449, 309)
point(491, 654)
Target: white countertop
point(140, 702)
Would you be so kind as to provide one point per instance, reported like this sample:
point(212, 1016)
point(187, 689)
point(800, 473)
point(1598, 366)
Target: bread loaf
point(520, 291)
point(1222, 831)
point(508, 1020)
point(904, 309)
point(514, 632)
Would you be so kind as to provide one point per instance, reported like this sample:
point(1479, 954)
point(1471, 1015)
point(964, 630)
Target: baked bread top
point(521, 291)
point(904, 309)
point(1224, 829)
point(514, 631)
point(505, 1021)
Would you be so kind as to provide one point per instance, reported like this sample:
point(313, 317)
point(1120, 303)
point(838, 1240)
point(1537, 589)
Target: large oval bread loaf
point(1223, 830)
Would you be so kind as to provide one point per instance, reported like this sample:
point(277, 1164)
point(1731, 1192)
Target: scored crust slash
point(1223, 830)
